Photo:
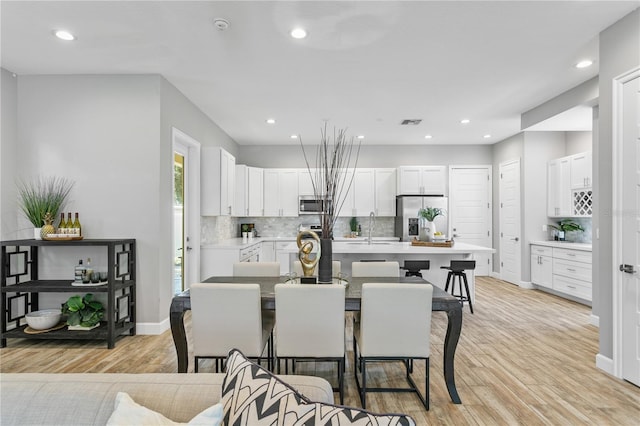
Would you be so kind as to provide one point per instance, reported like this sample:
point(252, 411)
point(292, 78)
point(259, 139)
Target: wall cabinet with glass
point(217, 182)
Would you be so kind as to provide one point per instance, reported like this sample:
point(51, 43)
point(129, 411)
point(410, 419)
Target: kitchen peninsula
point(355, 251)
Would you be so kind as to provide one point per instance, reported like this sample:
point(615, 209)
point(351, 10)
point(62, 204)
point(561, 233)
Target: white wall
point(619, 53)
point(8, 147)
point(370, 156)
point(578, 142)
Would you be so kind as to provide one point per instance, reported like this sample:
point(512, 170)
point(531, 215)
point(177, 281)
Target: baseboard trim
point(526, 285)
point(594, 320)
point(152, 328)
point(495, 275)
point(605, 364)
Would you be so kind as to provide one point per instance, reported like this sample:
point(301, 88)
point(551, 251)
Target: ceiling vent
point(411, 122)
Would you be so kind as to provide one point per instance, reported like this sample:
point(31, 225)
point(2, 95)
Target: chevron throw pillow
point(252, 396)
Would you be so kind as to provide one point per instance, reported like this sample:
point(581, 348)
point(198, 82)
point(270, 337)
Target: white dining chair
point(375, 269)
point(310, 326)
point(395, 325)
point(256, 269)
point(225, 316)
point(297, 268)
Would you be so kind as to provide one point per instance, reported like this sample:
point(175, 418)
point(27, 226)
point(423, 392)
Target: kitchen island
point(348, 251)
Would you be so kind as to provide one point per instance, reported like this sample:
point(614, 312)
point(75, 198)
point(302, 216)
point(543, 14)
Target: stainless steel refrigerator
point(407, 222)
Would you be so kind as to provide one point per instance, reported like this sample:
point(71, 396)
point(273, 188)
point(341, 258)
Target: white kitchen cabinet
point(581, 176)
point(249, 191)
point(422, 180)
point(268, 251)
point(385, 192)
point(559, 187)
point(305, 184)
point(218, 261)
point(280, 192)
point(217, 185)
point(360, 200)
point(283, 257)
point(542, 266)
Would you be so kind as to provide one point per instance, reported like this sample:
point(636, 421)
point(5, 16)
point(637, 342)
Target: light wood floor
point(525, 357)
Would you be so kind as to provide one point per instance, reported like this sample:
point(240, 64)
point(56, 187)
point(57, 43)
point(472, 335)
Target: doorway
point(509, 222)
point(185, 211)
point(626, 226)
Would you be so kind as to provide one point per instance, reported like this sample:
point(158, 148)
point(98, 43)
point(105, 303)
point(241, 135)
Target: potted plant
point(353, 225)
point(566, 225)
point(428, 214)
point(83, 313)
point(331, 177)
point(40, 196)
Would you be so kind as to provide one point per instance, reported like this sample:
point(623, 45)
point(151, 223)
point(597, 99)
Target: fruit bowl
point(46, 318)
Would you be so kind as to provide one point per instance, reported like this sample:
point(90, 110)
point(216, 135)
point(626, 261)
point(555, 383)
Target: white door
point(470, 210)
point(627, 229)
point(510, 244)
point(185, 259)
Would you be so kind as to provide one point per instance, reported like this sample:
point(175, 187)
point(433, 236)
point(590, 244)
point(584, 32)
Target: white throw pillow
point(128, 413)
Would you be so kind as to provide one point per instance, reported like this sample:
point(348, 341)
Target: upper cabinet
point(422, 180)
point(360, 200)
point(217, 185)
point(581, 176)
point(280, 192)
point(569, 185)
point(385, 192)
point(249, 191)
point(305, 184)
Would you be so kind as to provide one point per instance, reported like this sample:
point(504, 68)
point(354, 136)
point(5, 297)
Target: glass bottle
point(62, 227)
point(77, 227)
point(70, 224)
point(80, 271)
point(88, 271)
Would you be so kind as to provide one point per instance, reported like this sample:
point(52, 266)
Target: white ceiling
point(364, 65)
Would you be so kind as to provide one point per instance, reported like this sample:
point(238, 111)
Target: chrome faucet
point(372, 223)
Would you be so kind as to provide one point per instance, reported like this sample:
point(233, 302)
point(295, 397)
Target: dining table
point(442, 301)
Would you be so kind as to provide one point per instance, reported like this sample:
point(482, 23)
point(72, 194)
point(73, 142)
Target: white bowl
point(46, 318)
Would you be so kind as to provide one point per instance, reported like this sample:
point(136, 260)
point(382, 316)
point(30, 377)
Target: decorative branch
point(329, 177)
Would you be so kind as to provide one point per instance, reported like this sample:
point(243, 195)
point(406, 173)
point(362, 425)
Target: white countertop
point(563, 244)
point(237, 243)
point(392, 247)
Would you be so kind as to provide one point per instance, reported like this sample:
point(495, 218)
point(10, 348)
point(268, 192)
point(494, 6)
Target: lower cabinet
point(563, 270)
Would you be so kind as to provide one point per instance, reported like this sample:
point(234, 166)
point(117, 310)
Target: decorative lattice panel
point(582, 202)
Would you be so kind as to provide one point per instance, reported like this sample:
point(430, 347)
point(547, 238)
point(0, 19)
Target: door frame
point(617, 143)
point(179, 139)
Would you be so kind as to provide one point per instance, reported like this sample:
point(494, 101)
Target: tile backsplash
point(218, 228)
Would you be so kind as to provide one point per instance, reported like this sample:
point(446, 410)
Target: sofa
point(88, 399)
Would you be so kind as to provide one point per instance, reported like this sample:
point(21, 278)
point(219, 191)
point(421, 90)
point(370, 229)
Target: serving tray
point(448, 243)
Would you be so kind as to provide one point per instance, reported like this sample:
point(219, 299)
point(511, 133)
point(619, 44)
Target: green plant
point(353, 224)
point(430, 213)
point(567, 225)
point(41, 196)
point(83, 311)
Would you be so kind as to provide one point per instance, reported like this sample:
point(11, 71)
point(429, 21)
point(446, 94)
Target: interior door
point(470, 210)
point(628, 274)
point(510, 244)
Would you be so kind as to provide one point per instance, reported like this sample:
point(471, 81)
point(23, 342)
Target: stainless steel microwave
point(311, 205)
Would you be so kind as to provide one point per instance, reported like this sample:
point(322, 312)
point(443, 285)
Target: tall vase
point(430, 230)
point(325, 272)
point(37, 233)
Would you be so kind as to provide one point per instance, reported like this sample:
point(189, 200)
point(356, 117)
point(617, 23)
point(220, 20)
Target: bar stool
point(413, 267)
point(457, 268)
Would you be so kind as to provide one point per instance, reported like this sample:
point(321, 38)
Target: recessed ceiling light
point(294, 136)
point(271, 121)
point(465, 121)
point(360, 136)
point(64, 35)
point(487, 136)
point(298, 33)
point(428, 137)
point(584, 64)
